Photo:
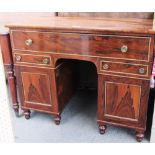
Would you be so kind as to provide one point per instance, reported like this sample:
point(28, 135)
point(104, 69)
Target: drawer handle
point(141, 70)
point(28, 42)
point(124, 49)
point(105, 66)
point(18, 58)
point(46, 61)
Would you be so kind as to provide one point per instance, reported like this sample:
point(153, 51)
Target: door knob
point(46, 61)
point(105, 66)
point(124, 49)
point(141, 70)
point(28, 42)
point(18, 58)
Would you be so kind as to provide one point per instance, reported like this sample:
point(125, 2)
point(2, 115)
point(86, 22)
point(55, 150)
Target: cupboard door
point(123, 100)
point(35, 88)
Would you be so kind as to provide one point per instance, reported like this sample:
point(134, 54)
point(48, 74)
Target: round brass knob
point(141, 70)
point(18, 58)
point(28, 42)
point(124, 49)
point(46, 61)
point(105, 66)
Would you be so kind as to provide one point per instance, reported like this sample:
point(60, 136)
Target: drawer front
point(44, 60)
point(124, 68)
point(33, 41)
point(113, 46)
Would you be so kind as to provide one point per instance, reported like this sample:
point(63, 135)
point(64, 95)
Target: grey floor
point(78, 125)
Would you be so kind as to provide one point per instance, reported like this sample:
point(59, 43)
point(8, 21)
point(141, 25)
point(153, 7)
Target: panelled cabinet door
point(123, 100)
point(35, 88)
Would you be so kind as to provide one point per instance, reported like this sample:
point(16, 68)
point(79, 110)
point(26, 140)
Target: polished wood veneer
point(137, 15)
point(41, 58)
point(87, 25)
point(124, 68)
point(97, 45)
point(31, 59)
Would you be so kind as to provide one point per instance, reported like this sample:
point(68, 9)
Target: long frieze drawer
point(44, 60)
point(112, 46)
point(124, 68)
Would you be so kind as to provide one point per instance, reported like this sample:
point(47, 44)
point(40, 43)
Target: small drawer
point(123, 47)
point(124, 68)
point(44, 60)
point(33, 41)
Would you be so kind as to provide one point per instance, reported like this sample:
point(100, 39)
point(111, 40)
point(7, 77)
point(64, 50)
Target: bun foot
point(139, 136)
point(16, 112)
point(102, 129)
point(27, 114)
point(57, 119)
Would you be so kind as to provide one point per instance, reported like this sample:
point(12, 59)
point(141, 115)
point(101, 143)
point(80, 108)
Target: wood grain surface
point(87, 24)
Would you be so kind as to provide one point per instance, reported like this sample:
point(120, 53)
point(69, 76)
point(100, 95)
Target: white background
point(77, 5)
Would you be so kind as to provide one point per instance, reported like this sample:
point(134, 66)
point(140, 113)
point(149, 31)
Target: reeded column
point(9, 68)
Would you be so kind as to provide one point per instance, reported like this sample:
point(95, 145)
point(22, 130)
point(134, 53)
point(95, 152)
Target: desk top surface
point(78, 24)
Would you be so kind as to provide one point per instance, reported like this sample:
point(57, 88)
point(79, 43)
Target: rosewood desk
point(36, 54)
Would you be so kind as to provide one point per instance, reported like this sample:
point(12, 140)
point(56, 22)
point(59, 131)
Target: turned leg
point(8, 63)
point(102, 129)
point(57, 119)
point(13, 90)
point(139, 136)
point(27, 114)
point(16, 110)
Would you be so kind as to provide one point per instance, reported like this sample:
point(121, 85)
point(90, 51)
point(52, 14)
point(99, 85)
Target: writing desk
point(35, 55)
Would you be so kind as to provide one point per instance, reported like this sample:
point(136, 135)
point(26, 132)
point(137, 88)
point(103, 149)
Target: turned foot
point(27, 114)
point(139, 136)
point(57, 119)
point(16, 110)
point(102, 129)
